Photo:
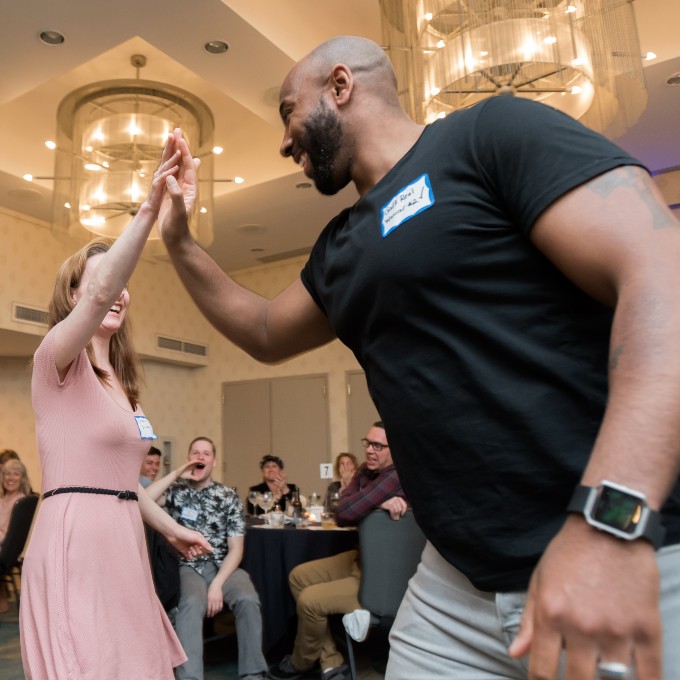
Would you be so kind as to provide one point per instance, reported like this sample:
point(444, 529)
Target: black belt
point(122, 495)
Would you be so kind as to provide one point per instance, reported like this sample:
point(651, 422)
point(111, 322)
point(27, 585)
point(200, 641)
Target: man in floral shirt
point(208, 582)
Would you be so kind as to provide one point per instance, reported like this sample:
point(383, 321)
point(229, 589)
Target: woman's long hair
point(121, 352)
point(19, 467)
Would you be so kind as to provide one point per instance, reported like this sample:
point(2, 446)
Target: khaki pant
point(320, 588)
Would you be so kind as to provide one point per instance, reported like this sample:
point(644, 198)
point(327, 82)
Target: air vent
point(175, 345)
point(285, 256)
point(26, 314)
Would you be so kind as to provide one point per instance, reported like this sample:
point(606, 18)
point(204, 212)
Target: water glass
point(276, 519)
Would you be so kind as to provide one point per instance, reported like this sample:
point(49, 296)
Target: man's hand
point(396, 506)
point(597, 597)
point(215, 599)
point(188, 543)
point(182, 192)
point(186, 471)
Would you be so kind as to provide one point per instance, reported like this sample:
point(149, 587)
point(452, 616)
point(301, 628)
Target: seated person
point(344, 467)
point(14, 485)
point(331, 585)
point(151, 466)
point(274, 480)
point(192, 498)
point(7, 454)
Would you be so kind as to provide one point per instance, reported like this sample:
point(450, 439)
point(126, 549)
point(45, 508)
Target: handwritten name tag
point(145, 429)
point(407, 203)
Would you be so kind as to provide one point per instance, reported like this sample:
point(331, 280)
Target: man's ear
point(342, 83)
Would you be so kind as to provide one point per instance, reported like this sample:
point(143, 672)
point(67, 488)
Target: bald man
point(508, 280)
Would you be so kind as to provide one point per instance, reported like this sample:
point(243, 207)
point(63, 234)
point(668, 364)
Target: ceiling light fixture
point(51, 37)
point(582, 56)
point(216, 46)
point(110, 137)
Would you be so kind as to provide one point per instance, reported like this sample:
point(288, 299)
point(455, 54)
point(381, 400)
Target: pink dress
point(89, 610)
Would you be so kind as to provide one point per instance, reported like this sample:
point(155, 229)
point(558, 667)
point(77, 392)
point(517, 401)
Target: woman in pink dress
point(88, 607)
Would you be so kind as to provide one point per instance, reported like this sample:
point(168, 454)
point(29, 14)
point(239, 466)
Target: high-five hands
point(181, 195)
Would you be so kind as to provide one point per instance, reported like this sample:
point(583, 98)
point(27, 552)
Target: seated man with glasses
point(331, 585)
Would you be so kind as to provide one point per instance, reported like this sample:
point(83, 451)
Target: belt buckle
point(124, 495)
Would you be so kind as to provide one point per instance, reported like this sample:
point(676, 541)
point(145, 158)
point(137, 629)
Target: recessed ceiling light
point(51, 37)
point(217, 150)
point(674, 79)
point(216, 46)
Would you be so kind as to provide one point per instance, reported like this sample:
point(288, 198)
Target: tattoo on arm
point(631, 177)
point(614, 357)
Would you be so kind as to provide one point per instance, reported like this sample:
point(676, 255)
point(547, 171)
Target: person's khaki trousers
point(320, 588)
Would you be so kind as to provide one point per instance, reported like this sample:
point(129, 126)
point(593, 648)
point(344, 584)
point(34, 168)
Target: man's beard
point(322, 142)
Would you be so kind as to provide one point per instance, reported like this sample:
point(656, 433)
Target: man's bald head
point(366, 60)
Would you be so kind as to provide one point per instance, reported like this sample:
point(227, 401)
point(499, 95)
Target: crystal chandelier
point(580, 56)
point(110, 137)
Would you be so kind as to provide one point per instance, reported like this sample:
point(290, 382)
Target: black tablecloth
point(269, 556)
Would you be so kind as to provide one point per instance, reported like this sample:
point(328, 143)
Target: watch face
point(618, 509)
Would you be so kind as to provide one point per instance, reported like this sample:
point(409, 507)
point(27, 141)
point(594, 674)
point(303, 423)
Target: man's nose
point(286, 148)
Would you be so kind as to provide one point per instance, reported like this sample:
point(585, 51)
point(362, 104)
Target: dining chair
point(13, 546)
point(389, 553)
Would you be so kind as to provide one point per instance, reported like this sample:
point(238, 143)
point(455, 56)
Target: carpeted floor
point(220, 656)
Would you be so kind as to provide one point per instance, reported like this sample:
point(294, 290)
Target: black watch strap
point(653, 530)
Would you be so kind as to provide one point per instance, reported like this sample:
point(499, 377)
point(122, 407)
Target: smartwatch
point(618, 510)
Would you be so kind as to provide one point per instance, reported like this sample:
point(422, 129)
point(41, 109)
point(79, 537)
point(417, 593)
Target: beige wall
point(180, 401)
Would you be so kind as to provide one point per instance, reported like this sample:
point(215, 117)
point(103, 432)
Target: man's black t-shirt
point(487, 365)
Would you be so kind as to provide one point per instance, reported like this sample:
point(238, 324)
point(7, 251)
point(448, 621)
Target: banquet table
point(270, 554)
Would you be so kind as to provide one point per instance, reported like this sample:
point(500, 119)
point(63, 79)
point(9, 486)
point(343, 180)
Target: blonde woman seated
point(14, 485)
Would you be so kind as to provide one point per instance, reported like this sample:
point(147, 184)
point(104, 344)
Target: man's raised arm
point(268, 330)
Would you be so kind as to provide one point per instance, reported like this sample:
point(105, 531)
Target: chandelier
point(580, 56)
point(110, 137)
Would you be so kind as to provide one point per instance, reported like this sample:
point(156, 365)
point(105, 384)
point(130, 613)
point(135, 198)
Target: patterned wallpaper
point(180, 401)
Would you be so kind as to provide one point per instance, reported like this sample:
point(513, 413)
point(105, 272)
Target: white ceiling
point(265, 39)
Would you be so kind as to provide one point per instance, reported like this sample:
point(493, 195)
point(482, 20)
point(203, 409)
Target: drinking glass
point(254, 499)
point(314, 499)
point(333, 501)
point(328, 520)
point(267, 501)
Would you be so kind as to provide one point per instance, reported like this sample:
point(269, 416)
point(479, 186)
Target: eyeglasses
point(377, 446)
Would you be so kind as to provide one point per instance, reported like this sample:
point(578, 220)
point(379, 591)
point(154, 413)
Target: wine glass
point(333, 501)
point(254, 500)
point(314, 499)
point(266, 501)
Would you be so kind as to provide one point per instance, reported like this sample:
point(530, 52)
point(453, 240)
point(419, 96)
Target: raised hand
point(181, 195)
point(168, 167)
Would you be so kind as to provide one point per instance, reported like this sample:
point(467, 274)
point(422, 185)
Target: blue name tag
point(145, 429)
point(406, 203)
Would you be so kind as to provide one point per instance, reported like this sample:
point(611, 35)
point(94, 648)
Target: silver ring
point(613, 670)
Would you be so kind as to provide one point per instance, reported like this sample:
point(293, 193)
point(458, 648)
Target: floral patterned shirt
point(216, 511)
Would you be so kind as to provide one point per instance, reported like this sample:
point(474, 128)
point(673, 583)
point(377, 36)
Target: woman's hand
point(169, 166)
point(188, 543)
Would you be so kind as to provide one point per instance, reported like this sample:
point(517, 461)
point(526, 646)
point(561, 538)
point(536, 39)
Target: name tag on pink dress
point(145, 429)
